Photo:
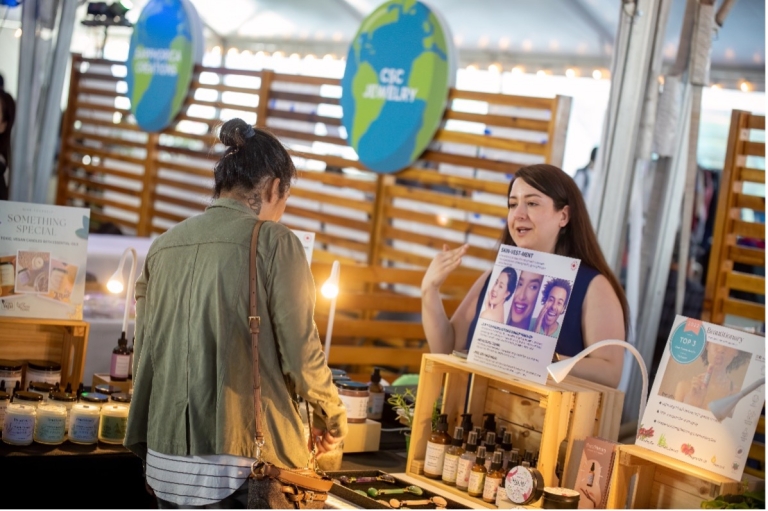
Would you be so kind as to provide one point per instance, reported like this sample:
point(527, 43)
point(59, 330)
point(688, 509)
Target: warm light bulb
point(518, 70)
point(570, 73)
point(495, 68)
point(745, 86)
point(597, 74)
point(115, 286)
point(330, 290)
point(541, 73)
point(472, 67)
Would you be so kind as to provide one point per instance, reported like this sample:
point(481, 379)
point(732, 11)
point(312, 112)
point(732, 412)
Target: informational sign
point(166, 44)
point(399, 70)
point(307, 241)
point(707, 396)
point(43, 251)
point(522, 312)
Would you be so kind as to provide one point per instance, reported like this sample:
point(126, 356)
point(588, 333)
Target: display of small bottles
point(452, 455)
point(438, 443)
point(121, 360)
point(477, 474)
point(494, 478)
point(490, 446)
point(466, 461)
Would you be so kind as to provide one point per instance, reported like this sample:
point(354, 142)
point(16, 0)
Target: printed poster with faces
point(43, 251)
point(522, 312)
point(707, 396)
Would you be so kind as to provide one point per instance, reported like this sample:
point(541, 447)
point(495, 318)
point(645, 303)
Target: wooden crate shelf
point(553, 419)
point(662, 482)
point(62, 341)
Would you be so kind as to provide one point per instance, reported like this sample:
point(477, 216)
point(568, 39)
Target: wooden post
point(147, 206)
point(67, 125)
point(264, 92)
point(558, 127)
point(378, 222)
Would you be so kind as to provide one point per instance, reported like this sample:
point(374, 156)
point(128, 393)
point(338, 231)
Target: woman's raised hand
point(441, 266)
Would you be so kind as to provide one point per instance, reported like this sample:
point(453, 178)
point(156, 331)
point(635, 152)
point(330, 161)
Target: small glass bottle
point(466, 461)
point(591, 475)
point(121, 360)
point(436, 446)
point(375, 396)
point(507, 445)
point(489, 424)
point(490, 446)
point(466, 425)
point(477, 476)
point(452, 455)
point(494, 478)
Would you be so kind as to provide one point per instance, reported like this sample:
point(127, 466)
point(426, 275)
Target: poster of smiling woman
point(522, 312)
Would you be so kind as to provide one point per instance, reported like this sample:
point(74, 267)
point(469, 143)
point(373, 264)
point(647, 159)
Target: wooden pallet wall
point(456, 193)
point(738, 248)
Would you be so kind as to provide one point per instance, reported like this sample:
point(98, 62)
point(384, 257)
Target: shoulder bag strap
point(254, 323)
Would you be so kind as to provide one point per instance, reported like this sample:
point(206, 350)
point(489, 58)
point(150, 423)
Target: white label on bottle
point(519, 485)
point(50, 429)
point(375, 405)
point(84, 429)
point(120, 365)
point(356, 406)
point(450, 468)
point(490, 488)
point(462, 473)
point(433, 461)
point(476, 482)
point(19, 428)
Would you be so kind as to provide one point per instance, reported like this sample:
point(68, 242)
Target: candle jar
point(43, 370)
point(10, 371)
point(122, 398)
point(354, 395)
point(22, 278)
point(84, 422)
point(560, 498)
point(50, 424)
point(42, 388)
point(19, 424)
point(57, 279)
point(7, 277)
point(94, 399)
point(65, 399)
point(27, 398)
point(114, 419)
point(5, 399)
point(107, 390)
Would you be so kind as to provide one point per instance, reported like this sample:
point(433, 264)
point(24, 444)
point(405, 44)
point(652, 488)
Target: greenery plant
point(747, 500)
point(404, 404)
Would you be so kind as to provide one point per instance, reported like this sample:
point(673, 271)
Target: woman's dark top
point(571, 340)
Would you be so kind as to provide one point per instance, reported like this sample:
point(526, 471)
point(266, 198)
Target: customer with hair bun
point(192, 415)
point(546, 213)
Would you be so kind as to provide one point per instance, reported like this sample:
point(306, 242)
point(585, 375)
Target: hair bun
point(234, 132)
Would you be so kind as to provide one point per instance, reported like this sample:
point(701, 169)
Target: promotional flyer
point(522, 312)
point(43, 251)
point(707, 396)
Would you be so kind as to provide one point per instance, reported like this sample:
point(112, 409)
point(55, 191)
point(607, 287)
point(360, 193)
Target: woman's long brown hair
point(577, 239)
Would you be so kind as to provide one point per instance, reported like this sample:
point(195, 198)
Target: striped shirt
point(196, 480)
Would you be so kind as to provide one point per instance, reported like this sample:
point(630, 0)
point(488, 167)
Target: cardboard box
point(363, 437)
point(594, 475)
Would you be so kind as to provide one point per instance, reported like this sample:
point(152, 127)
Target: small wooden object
point(57, 340)
point(540, 417)
point(662, 482)
point(104, 379)
point(363, 437)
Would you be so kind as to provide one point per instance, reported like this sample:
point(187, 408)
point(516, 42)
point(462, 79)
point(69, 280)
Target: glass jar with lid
point(10, 371)
point(94, 398)
point(107, 389)
point(65, 399)
point(27, 398)
point(354, 395)
point(19, 424)
point(114, 420)
point(5, 399)
point(50, 424)
point(43, 370)
point(42, 388)
point(84, 423)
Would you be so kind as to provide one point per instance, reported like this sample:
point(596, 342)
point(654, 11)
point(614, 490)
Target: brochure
point(594, 476)
point(43, 250)
point(307, 241)
point(522, 312)
point(707, 396)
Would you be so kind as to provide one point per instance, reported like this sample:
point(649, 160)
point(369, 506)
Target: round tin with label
point(560, 498)
point(524, 485)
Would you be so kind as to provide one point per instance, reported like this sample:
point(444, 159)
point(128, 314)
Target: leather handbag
point(269, 486)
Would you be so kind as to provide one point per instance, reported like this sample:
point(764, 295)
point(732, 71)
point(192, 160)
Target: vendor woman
point(546, 213)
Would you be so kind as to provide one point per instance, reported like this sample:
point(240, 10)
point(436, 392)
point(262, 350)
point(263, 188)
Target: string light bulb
point(597, 74)
point(570, 73)
point(518, 70)
point(745, 86)
point(495, 68)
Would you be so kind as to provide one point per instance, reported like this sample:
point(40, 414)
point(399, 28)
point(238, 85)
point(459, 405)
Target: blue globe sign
point(400, 67)
point(166, 44)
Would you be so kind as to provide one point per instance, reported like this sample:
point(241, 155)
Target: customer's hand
point(324, 441)
point(441, 266)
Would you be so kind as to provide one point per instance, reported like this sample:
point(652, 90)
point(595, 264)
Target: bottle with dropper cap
point(452, 455)
point(436, 446)
point(121, 360)
point(490, 445)
point(477, 476)
point(466, 425)
point(494, 478)
point(375, 396)
point(466, 461)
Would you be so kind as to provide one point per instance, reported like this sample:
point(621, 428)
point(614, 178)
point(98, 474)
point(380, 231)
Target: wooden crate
point(662, 482)
point(553, 419)
point(47, 339)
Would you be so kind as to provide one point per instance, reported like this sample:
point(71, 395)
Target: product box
point(594, 475)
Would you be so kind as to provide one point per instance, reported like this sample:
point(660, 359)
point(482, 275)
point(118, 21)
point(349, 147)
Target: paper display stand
point(56, 340)
point(540, 417)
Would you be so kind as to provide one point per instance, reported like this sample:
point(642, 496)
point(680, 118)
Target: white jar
point(114, 420)
point(43, 370)
point(42, 388)
point(354, 395)
point(50, 424)
point(84, 422)
point(7, 275)
point(10, 371)
point(65, 399)
point(19, 424)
